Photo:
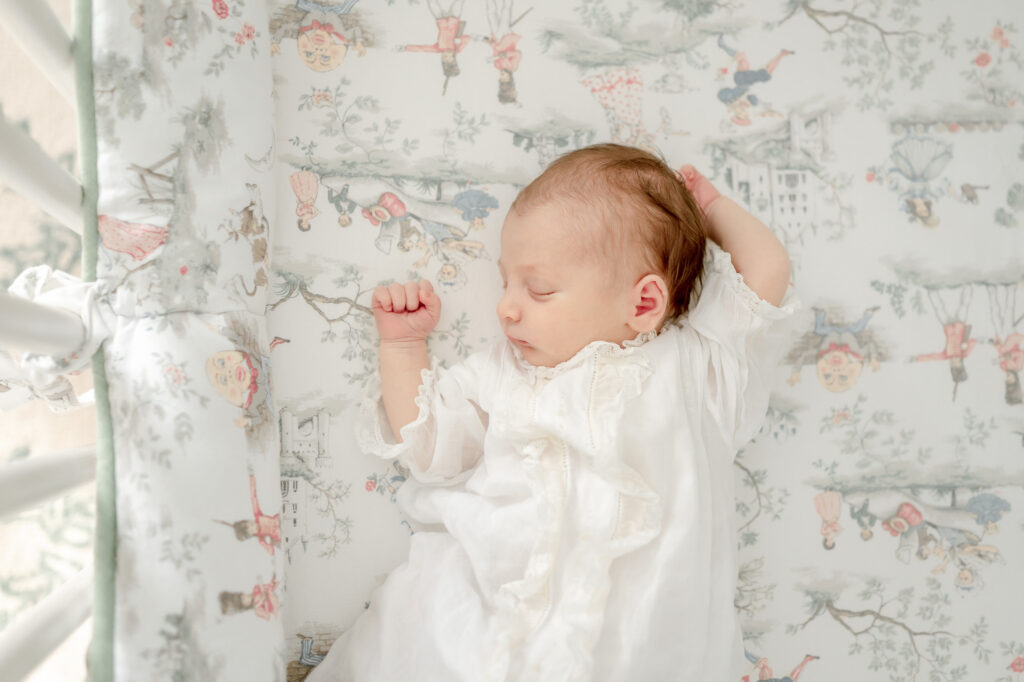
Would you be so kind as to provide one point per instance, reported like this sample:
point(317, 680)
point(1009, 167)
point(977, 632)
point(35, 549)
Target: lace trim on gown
point(373, 432)
point(721, 262)
point(613, 376)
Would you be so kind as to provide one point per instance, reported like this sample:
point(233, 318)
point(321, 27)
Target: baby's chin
point(530, 354)
point(539, 358)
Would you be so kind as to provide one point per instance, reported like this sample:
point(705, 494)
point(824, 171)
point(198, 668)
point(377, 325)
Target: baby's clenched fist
point(406, 312)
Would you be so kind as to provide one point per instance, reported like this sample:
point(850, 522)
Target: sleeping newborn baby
point(577, 474)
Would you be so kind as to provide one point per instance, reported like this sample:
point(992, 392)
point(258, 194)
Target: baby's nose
point(507, 310)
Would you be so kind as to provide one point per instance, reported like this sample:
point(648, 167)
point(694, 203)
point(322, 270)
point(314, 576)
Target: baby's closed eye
point(540, 288)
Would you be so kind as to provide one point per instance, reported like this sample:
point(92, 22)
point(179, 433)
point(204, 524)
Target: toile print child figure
point(739, 99)
point(839, 351)
point(506, 54)
point(1011, 361)
point(305, 185)
point(240, 376)
point(338, 197)
point(262, 600)
point(620, 91)
point(829, 505)
point(265, 528)
point(437, 239)
point(764, 669)
point(475, 205)
point(577, 474)
point(948, 534)
point(323, 31)
point(1007, 340)
point(959, 343)
point(451, 38)
point(390, 214)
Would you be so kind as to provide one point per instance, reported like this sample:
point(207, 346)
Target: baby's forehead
point(559, 235)
point(552, 226)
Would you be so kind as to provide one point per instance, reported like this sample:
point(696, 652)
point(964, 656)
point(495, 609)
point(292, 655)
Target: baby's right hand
point(701, 188)
point(406, 312)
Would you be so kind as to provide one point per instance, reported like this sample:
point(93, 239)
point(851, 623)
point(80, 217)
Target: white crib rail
point(29, 326)
point(30, 482)
point(27, 169)
point(30, 171)
point(39, 33)
point(30, 638)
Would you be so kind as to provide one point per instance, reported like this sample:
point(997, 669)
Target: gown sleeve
point(736, 344)
point(447, 434)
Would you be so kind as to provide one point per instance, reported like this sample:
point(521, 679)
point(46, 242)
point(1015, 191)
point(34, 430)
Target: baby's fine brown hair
point(639, 201)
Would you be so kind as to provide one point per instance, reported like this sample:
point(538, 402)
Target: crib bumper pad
point(185, 135)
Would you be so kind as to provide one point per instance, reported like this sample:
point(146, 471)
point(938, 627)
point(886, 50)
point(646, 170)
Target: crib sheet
point(263, 165)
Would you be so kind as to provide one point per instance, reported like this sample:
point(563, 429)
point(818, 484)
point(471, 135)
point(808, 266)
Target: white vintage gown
point(583, 514)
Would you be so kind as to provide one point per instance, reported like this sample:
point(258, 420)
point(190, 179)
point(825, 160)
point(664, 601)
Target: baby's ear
point(648, 302)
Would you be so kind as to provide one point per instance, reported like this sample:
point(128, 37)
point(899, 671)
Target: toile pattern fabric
point(263, 165)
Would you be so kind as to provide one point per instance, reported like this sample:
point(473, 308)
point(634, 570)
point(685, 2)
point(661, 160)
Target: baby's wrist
point(403, 344)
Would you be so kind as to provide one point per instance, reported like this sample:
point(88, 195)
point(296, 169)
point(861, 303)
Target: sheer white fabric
point(45, 375)
point(580, 516)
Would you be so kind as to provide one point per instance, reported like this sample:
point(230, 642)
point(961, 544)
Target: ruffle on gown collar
point(534, 373)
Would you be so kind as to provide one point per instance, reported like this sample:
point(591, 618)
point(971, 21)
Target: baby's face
point(559, 296)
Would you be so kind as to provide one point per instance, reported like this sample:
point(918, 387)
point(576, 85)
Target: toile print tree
point(146, 417)
point(607, 36)
point(365, 140)
point(294, 285)
point(881, 44)
point(758, 502)
point(907, 634)
point(369, 145)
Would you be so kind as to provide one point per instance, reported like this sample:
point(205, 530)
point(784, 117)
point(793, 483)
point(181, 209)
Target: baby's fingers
point(382, 299)
point(397, 292)
point(701, 188)
point(412, 296)
point(429, 300)
point(426, 291)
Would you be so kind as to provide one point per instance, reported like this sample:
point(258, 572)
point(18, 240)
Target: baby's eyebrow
point(529, 268)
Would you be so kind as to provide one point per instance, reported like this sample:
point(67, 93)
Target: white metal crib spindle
point(24, 325)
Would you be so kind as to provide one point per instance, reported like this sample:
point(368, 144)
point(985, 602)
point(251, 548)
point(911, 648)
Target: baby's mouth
point(518, 342)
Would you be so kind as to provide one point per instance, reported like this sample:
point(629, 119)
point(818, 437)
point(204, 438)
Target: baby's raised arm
point(405, 314)
point(756, 253)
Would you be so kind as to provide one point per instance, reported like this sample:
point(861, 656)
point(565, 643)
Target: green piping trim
point(100, 659)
